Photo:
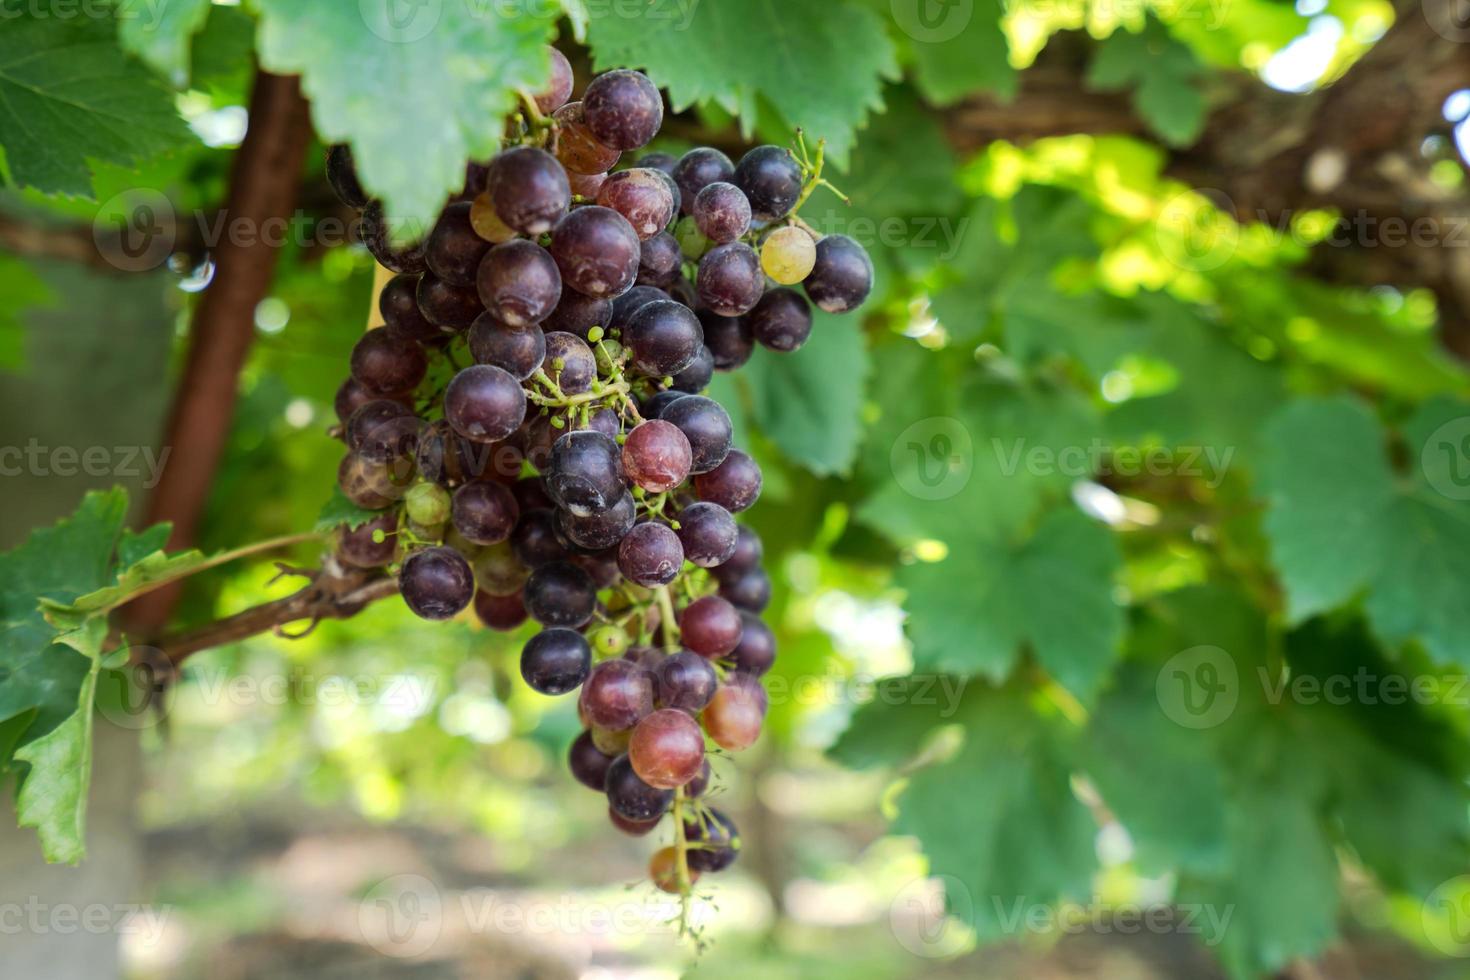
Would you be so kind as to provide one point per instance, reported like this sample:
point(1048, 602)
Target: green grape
point(428, 504)
point(788, 255)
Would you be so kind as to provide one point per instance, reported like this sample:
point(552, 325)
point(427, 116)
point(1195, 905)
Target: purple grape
point(782, 320)
point(699, 168)
point(631, 302)
point(534, 540)
point(356, 547)
point(700, 372)
point(385, 360)
point(757, 648)
point(588, 765)
point(734, 484)
point(747, 556)
point(722, 212)
point(631, 798)
point(556, 661)
point(437, 583)
point(657, 456)
point(653, 407)
point(502, 613)
point(570, 362)
point(728, 338)
point(578, 314)
point(560, 594)
point(484, 403)
point(453, 251)
point(642, 196)
point(708, 534)
point(519, 283)
point(367, 484)
point(751, 591)
point(399, 306)
point(517, 351)
point(664, 163)
point(529, 189)
point(599, 531)
point(659, 261)
point(650, 554)
point(446, 305)
point(597, 251)
point(342, 177)
point(842, 277)
point(484, 512)
point(622, 109)
point(771, 179)
point(373, 231)
point(664, 338)
point(731, 282)
point(686, 681)
point(717, 842)
point(617, 695)
point(353, 394)
point(383, 431)
point(585, 473)
point(446, 459)
point(559, 86)
point(704, 422)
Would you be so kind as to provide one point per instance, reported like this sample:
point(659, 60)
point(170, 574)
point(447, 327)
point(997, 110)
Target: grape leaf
point(818, 63)
point(68, 94)
point(810, 402)
point(24, 290)
point(338, 510)
point(160, 31)
point(1163, 74)
point(438, 82)
point(962, 52)
point(1342, 523)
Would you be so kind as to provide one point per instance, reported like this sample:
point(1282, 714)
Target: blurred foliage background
point(1098, 416)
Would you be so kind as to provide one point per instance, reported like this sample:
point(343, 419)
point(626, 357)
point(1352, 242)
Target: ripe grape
point(498, 571)
point(663, 870)
point(519, 283)
point(501, 613)
point(686, 681)
point(534, 540)
point(699, 373)
point(715, 842)
point(383, 431)
point(484, 512)
point(559, 86)
point(667, 749)
point(664, 338)
point(373, 231)
point(735, 714)
point(751, 591)
point(722, 212)
point(699, 168)
point(747, 556)
point(353, 394)
point(699, 783)
point(356, 547)
point(560, 594)
point(578, 313)
point(529, 189)
point(734, 484)
point(708, 534)
point(730, 279)
point(710, 626)
point(385, 360)
point(453, 251)
point(342, 177)
point(399, 306)
point(597, 251)
point(588, 765)
point(633, 828)
point(445, 458)
point(484, 403)
point(659, 259)
point(642, 196)
point(446, 305)
point(602, 530)
point(618, 694)
point(629, 795)
point(664, 163)
point(607, 742)
point(728, 338)
point(487, 223)
point(653, 407)
point(756, 650)
point(586, 186)
point(788, 255)
point(576, 147)
point(631, 302)
point(585, 473)
point(842, 277)
point(366, 483)
point(556, 661)
point(650, 555)
point(518, 352)
point(771, 178)
point(622, 109)
point(782, 320)
point(707, 427)
point(657, 455)
point(570, 362)
point(531, 494)
point(437, 583)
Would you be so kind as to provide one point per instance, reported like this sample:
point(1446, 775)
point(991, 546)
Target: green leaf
point(818, 63)
point(53, 796)
point(810, 402)
point(1342, 523)
point(1163, 74)
point(438, 82)
point(338, 510)
point(132, 579)
point(24, 290)
point(949, 66)
point(68, 95)
point(160, 33)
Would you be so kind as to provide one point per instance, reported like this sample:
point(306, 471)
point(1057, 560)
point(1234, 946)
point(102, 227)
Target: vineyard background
point(1120, 545)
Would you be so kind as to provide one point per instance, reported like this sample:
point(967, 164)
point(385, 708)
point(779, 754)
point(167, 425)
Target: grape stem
point(681, 856)
point(666, 617)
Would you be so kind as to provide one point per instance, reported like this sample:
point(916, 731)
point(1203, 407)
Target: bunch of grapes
point(529, 423)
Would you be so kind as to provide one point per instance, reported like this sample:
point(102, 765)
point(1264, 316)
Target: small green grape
point(428, 504)
point(789, 255)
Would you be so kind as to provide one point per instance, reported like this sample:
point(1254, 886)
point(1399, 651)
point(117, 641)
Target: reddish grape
point(633, 828)
point(618, 694)
point(735, 715)
point(734, 484)
point(667, 749)
point(622, 109)
point(576, 147)
point(501, 613)
point(559, 86)
point(663, 870)
point(710, 626)
point(686, 681)
point(643, 197)
point(657, 456)
point(597, 251)
point(722, 212)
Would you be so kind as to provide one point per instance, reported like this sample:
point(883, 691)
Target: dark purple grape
point(731, 282)
point(662, 162)
point(534, 540)
point(602, 566)
point(728, 338)
point(721, 212)
point(633, 828)
point(842, 277)
point(578, 314)
point(705, 424)
point(664, 338)
point(437, 583)
point(588, 765)
point(529, 189)
point(383, 431)
point(642, 196)
point(399, 306)
point(558, 87)
point(708, 534)
point(373, 231)
point(771, 179)
point(782, 320)
point(756, 650)
point(519, 352)
point(446, 305)
point(697, 169)
point(650, 555)
point(697, 376)
point(484, 512)
point(710, 626)
point(519, 283)
point(342, 177)
point(453, 251)
point(734, 484)
point(356, 547)
point(368, 484)
point(654, 406)
point(657, 456)
point(556, 661)
point(622, 109)
point(585, 472)
point(484, 403)
point(630, 797)
point(476, 175)
point(602, 530)
point(606, 421)
point(501, 613)
point(659, 261)
point(385, 360)
point(576, 147)
point(618, 695)
point(700, 783)
point(597, 251)
point(751, 591)
point(446, 459)
point(570, 362)
point(353, 394)
point(686, 681)
point(746, 559)
point(716, 842)
point(631, 302)
point(560, 594)
point(531, 494)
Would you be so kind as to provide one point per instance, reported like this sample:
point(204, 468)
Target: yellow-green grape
point(428, 504)
point(789, 255)
point(487, 223)
point(691, 241)
point(608, 641)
